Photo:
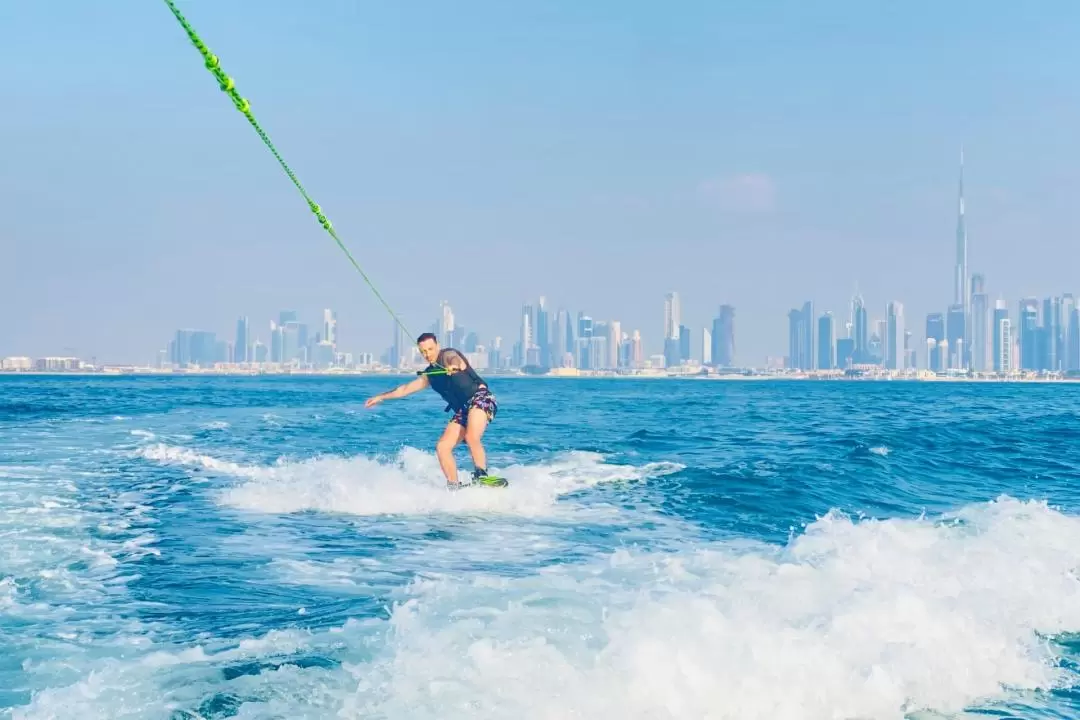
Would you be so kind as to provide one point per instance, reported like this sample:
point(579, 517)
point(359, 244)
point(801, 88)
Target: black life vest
point(455, 389)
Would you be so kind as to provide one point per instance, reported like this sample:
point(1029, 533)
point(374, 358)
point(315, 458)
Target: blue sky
point(757, 153)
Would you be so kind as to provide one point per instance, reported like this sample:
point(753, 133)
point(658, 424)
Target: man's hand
point(373, 401)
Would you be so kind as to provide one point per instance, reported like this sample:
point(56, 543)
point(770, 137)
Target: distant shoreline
point(732, 377)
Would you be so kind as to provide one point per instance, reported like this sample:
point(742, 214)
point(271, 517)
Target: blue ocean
point(265, 547)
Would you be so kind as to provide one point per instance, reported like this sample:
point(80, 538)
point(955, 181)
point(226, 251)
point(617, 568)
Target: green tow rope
point(228, 86)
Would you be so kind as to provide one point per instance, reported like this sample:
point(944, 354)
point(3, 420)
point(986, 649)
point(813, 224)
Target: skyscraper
point(845, 352)
point(895, 356)
point(196, 347)
point(329, 332)
point(706, 347)
point(445, 324)
point(826, 345)
point(936, 346)
point(543, 333)
point(598, 346)
point(723, 337)
point(1002, 329)
point(961, 295)
point(242, 347)
point(584, 333)
point(672, 329)
point(809, 349)
point(954, 333)
point(276, 342)
point(860, 330)
point(877, 342)
point(1028, 322)
point(598, 351)
point(1052, 334)
point(614, 342)
point(397, 348)
point(1072, 337)
point(563, 340)
point(981, 355)
point(801, 338)
point(1070, 326)
point(293, 341)
point(672, 315)
point(526, 339)
point(684, 344)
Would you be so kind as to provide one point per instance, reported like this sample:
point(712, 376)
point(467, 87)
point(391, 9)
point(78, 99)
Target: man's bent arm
point(454, 362)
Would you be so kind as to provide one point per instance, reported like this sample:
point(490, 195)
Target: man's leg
point(474, 431)
point(444, 450)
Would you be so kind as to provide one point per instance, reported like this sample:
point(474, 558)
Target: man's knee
point(445, 446)
point(473, 436)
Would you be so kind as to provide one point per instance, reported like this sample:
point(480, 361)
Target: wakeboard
point(491, 481)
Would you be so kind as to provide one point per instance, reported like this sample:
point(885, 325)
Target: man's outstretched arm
point(399, 392)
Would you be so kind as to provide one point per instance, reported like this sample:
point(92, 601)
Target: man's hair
point(427, 336)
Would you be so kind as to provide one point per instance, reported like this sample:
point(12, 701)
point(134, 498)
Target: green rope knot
point(323, 220)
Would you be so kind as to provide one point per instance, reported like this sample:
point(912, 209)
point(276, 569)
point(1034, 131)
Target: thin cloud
point(742, 193)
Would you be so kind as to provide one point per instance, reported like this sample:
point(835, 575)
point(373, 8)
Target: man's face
point(429, 349)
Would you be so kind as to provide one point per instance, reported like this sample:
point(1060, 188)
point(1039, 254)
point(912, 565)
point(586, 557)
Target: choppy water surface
point(267, 548)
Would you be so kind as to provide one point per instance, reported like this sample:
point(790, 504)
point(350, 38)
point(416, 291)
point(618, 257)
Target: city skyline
point(605, 169)
point(675, 340)
point(970, 335)
point(1045, 337)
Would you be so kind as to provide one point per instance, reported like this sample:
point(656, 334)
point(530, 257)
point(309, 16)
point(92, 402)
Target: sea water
point(243, 547)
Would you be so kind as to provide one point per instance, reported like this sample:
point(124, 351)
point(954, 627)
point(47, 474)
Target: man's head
point(429, 346)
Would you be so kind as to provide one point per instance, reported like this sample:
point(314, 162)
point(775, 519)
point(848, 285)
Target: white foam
point(412, 484)
point(8, 592)
point(169, 454)
point(158, 680)
point(868, 620)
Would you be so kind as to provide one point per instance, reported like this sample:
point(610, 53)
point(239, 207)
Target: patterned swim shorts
point(483, 400)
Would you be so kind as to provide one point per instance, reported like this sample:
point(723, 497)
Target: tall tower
point(860, 330)
point(542, 333)
point(895, 355)
point(723, 337)
point(672, 316)
point(242, 348)
point(672, 330)
point(445, 324)
point(961, 294)
point(330, 327)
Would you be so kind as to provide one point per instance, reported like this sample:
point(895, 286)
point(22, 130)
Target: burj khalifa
point(962, 295)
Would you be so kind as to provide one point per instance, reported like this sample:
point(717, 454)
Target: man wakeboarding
point(450, 375)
